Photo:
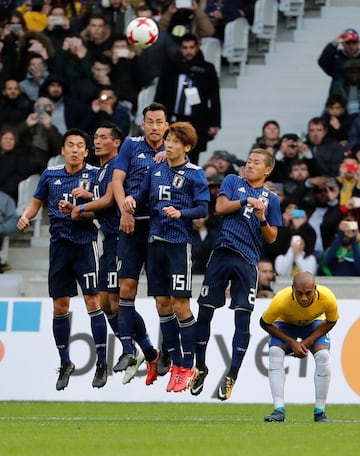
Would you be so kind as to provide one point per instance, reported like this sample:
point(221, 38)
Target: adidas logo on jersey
point(58, 182)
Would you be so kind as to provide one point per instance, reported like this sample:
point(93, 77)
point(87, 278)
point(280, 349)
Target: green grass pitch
point(159, 429)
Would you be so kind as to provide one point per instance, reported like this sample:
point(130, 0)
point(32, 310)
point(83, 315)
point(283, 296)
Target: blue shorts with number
point(301, 332)
point(70, 264)
point(108, 280)
point(169, 269)
point(132, 250)
point(227, 266)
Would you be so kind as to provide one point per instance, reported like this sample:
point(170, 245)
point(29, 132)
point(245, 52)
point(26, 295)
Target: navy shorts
point(169, 269)
point(301, 332)
point(132, 250)
point(108, 280)
point(229, 267)
point(70, 264)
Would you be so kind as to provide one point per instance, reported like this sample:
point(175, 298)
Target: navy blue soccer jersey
point(57, 184)
point(108, 218)
point(135, 158)
point(180, 187)
point(241, 231)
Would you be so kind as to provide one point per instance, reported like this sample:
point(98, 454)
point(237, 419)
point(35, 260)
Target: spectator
point(87, 89)
point(342, 258)
point(106, 106)
point(34, 14)
point(345, 47)
point(15, 106)
point(223, 161)
point(72, 61)
point(299, 256)
point(270, 138)
point(118, 15)
point(12, 163)
point(58, 26)
point(36, 75)
point(180, 21)
point(348, 178)
point(68, 111)
point(324, 215)
point(291, 147)
point(298, 185)
point(124, 71)
point(349, 87)
point(39, 137)
point(337, 119)
point(33, 42)
point(189, 88)
point(11, 34)
point(97, 36)
point(151, 60)
point(327, 152)
point(203, 244)
point(8, 221)
point(266, 276)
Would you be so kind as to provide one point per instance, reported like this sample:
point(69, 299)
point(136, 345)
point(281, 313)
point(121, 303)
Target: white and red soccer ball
point(142, 32)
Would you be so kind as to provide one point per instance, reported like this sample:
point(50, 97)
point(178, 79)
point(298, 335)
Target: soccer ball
point(142, 32)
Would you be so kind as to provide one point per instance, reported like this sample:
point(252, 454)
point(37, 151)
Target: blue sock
point(240, 340)
point(188, 340)
point(317, 411)
point(143, 339)
point(99, 332)
point(113, 322)
point(170, 331)
point(280, 409)
point(126, 324)
point(61, 331)
point(203, 334)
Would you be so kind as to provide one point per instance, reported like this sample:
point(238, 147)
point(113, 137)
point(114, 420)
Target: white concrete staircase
point(290, 88)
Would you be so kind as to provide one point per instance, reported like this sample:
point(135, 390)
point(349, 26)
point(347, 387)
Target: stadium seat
point(145, 97)
point(293, 10)
point(4, 252)
point(211, 48)
point(57, 160)
point(236, 45)
point(265, 22)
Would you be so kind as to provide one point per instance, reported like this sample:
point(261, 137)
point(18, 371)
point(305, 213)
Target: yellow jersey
point(284, 307)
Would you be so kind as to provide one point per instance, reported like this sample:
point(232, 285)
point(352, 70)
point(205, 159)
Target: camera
point(40, 109)
point(186, 4)
point(294, 144)
point(15, 27)
point(56, 20)
point(103, 97)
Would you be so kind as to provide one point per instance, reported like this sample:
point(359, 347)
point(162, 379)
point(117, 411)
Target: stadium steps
point(290, 88)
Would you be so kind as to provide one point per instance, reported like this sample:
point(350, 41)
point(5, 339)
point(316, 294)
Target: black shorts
point(70, 264)
point(108, 280)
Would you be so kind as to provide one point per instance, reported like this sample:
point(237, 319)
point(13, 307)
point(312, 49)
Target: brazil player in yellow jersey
point(298, 320)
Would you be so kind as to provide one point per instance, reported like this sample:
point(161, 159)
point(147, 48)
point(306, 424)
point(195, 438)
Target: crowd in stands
point(67, 64)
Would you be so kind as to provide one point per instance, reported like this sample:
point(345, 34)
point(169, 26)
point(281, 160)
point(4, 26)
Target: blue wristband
point(82, 208)
point(243, 202)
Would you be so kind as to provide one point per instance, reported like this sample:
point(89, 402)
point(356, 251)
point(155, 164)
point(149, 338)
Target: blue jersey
point(240, 230)
point(57, 184)
point(108, 218)
point(135, 158)
point(180, 187)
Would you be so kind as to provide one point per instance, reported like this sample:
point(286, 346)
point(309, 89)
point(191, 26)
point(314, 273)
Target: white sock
point(321, 377)
point(277, 375)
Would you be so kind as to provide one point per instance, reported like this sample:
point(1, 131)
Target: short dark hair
point(77, 132)
point(189, 37)
point(116, 131)
point(155, 107)
point(335, 98)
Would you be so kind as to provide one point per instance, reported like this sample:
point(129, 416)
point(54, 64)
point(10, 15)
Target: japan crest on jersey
point(178, 181)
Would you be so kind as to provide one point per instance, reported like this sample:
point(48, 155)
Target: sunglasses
point(351, 42)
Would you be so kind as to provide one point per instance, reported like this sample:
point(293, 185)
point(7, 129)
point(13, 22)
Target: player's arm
point(224, 206)
point(320, 331)
point(29, 213)
point(127, 221)
point(99, 204)
point(297, 348)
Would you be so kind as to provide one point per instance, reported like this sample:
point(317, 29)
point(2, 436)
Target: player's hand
point(160, 157)
point(171, 212)
point(75, 213)
point(127, 223)
point(80, 192)
point(65, 207)
point(23, 223)
point(299, 350)
point(129, 205)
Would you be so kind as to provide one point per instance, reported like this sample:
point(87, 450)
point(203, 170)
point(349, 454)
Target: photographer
point(58, 26)
point(342, 258)
point(39, 136)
